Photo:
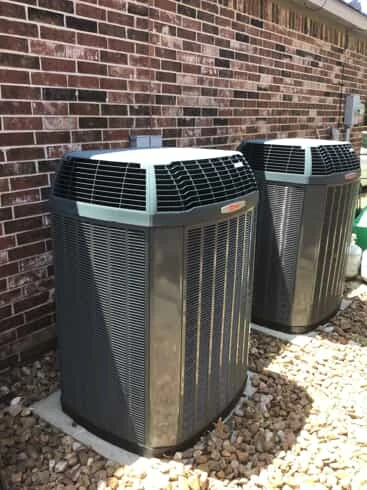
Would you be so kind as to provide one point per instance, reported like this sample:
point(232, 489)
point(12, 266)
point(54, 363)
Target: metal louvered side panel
point(278, 233)
point(113, 184)
point(216, 281)
point(274, 158)
point(102, 304)
point(188, 184)
point(331, 159)
point(336, 230)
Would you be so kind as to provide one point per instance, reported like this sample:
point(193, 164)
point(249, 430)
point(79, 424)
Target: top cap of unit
point(149, 157)
point(303, 156)
point(154, 180)
point(301, 142)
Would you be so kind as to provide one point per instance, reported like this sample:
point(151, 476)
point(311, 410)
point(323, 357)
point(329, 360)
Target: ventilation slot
point(217, 272)
point(331, 159)
point(118, 185)
point(185, 185)
point(277, 158)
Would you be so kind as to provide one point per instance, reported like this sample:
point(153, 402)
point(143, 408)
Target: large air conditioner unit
point(308, 189)
point(153, 252)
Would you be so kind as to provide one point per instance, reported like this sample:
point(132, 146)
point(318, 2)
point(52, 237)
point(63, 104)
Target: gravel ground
point(304, 427)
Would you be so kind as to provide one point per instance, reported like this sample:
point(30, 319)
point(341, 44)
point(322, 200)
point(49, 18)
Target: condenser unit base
point(294, 329)
point(144, 450)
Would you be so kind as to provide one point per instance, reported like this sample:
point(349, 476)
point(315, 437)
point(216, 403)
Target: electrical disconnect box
point(354, 110)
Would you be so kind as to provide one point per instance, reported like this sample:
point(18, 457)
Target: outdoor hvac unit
point(308, 189)
point(153, 252)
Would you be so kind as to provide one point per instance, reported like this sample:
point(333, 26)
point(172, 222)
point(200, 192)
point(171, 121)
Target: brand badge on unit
point(350, 175)
point(233, 207)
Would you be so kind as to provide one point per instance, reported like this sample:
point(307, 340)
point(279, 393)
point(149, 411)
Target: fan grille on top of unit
point(329, 159)
point(118, 185)
point(184, 185)
point(275, 158)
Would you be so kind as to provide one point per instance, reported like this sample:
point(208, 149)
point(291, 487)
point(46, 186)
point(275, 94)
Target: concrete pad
point(300, 339)
point(297, 339)
point(49, 409)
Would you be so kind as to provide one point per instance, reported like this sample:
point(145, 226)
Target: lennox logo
point(350, 175)
point(234, 206)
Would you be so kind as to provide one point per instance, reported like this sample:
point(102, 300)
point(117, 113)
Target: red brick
point(15, 139)
point(5, 312)
point(40, 311)
point(29, 210)
point(9, 269)
point(55, 64)
point(26, 251)
point(114, 4)
point(83, 136)
point(20, 197)
point(120, 45)
point(92, 68)
point(9, 9)
point(93, 40)
point(18, 28)
point(61, 5)
point(25, 153)
point(25, 278)
point(46, 137)
point(17, 168)
point(15, 107)
point(23, 224)
point(5, 213)
point(22, 123)
point(9, 297)
point(33, 235)
point(19, 60)
point(35, 325)
point(56, 34)
point(4, 185)
point(60, 123)
point(50, 108)
point(90, 12)
point(44, 78)
point(14, 76)
point(83, 81)
point(12, 322)
point(32, 302)
point(29, 182)
point(83, 109)
point(7, 242)
point(7, 336)
point(13, 43)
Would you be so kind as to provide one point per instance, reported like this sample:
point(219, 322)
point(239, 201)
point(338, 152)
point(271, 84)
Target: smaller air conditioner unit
point(308, 190)
point(154, 265)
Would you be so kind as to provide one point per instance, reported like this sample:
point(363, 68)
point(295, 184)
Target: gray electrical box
point(352, 110)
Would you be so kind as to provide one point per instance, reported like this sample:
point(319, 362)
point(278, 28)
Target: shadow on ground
point(260, 428)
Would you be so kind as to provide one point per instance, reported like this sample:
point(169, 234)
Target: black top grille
point(330, 159)
point(274, 158)
point(118, 185)
point(188, 184)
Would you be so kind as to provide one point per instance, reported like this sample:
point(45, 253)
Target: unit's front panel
point(217, 298)
point(277, 245)
point(102, 298)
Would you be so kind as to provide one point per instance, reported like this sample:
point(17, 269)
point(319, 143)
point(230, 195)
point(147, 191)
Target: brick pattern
point(86, 74)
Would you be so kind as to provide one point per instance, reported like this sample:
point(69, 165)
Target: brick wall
point(87, 74)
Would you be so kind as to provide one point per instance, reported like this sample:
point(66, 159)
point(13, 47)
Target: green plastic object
point(360, 228)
